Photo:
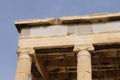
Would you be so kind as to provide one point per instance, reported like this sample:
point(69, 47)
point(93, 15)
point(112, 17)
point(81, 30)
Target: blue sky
point(11, 10)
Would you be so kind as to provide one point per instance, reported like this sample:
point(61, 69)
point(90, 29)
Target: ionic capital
point(78, 47)
point(25, 50)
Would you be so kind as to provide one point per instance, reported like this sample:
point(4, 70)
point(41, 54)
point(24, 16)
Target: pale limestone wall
point(25, 31)
point(71, 29)
point(48, 30)
point(108, 26)
point(57, 30)
point(80, 29)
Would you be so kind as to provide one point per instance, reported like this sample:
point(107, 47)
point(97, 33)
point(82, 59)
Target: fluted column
point(24, 67)
point(84, 71)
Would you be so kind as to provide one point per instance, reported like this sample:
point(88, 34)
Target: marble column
point(84, 68)
point(24, 67)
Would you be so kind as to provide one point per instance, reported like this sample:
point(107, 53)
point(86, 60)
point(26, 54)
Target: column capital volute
point(25, 50)
point(88, 47)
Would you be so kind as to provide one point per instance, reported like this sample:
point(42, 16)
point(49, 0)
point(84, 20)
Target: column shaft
point(84, 71)
point(24, 67)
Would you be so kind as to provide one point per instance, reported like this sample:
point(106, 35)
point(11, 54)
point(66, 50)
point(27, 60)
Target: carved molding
point(25, 50)
point(88, 47)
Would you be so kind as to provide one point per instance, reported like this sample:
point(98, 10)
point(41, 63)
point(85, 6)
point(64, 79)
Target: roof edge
point(92, 18)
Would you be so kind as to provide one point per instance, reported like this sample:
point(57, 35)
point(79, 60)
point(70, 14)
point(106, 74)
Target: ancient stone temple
point(69, 48)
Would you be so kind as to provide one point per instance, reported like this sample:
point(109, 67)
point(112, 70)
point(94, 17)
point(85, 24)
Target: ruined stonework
point(69, 48)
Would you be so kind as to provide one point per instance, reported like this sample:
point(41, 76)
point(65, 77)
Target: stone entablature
point(69, 48)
